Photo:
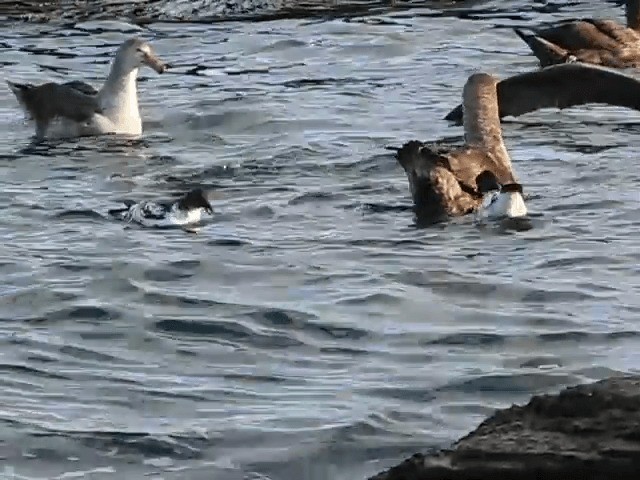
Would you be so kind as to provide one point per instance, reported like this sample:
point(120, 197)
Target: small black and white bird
point(499, 200)
point(185, 211)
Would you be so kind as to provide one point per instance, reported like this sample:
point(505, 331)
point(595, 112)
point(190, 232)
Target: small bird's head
point(196, 198)
point(498, 200)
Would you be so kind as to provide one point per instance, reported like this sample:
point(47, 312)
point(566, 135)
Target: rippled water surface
point(309, 330)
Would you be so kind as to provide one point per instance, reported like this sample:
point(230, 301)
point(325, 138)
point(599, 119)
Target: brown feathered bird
point(474, 177)
point(600, 42)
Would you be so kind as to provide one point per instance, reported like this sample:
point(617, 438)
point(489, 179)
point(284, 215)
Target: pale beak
point(155, 63)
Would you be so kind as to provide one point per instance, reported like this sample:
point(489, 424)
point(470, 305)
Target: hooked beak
point(209, 210)
point(154, 62)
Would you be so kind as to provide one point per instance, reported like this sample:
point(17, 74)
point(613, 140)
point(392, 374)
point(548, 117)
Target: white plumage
point(75, 108)
point(185, 211)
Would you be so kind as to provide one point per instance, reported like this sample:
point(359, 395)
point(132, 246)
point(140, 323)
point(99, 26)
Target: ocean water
point(309, 330)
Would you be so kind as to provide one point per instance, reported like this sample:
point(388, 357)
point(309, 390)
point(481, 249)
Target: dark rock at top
point(587, 432)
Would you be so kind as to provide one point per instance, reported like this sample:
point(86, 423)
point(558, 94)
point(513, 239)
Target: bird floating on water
point(185, 211)
point(475, 177)
point(600, 42)
point(82, 110)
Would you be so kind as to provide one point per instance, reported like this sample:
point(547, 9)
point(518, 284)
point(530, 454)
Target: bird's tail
point(548, 53)
point(21, 91)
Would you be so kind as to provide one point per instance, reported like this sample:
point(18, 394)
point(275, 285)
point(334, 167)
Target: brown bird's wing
point(568, 85)
point(436, 191)
point(562, 86)
point(582, 34)
point(620, 34)
point(599, 42)
point(468, 162)
point(548, 53)
point(82, 87)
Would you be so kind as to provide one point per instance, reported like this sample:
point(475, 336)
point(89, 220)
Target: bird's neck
point(119, 94)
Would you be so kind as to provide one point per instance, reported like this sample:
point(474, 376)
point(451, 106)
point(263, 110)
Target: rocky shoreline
point(587, 432)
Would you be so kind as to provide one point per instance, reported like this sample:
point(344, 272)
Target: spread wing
point(562, 86)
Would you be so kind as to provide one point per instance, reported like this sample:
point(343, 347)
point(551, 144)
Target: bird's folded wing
point(82, 87)
point(47, 101)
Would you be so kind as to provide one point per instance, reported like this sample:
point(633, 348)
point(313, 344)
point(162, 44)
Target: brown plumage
point(446, 181)
point(600, 42)
point(562, 86)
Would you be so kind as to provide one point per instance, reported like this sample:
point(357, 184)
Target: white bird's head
point(135, 53)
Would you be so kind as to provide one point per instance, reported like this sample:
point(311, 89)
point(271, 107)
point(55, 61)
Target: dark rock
point(588, 432)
